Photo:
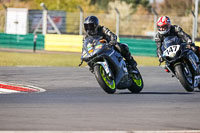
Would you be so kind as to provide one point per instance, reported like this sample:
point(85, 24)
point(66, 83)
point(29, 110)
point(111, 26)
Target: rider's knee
point(124, 47)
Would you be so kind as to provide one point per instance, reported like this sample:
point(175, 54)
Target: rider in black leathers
point(166, 29)
point(92, 28)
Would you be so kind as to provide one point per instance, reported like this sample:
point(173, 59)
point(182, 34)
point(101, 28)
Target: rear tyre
point(185, 77)
point(137, 84)
point(106, 83)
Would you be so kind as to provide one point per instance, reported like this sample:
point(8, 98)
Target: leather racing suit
point(175, 31)
point(112, 39)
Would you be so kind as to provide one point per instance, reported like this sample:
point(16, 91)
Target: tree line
point(177, 7)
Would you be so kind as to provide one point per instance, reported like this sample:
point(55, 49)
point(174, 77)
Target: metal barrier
point(140, 47)
point(21, 41)
point(71, 43)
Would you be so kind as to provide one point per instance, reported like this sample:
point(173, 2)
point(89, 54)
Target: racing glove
point(112, 43)
point(161, 59)
point(191, 45)
point(189, 42)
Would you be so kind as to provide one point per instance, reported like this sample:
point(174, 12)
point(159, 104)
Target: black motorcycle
point(182, 62)
point(109, 67)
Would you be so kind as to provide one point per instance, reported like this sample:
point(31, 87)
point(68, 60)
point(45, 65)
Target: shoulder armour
point(106, 30)
point(177, 28)
point(157, 37)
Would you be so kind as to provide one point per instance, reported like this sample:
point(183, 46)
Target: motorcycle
point(182, 62)
point(109, 67)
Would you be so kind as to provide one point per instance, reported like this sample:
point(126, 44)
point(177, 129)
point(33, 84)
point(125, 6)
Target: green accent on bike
point(110, 83)
point(137, 81)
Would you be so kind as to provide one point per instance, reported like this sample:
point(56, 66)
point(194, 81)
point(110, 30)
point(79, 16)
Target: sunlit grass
point(146, 61)
point(56, 59)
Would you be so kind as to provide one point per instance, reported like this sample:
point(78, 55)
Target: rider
point(166, 29)
point(92, 28)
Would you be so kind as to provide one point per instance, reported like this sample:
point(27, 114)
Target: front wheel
point(184, 75)
point(199, 86)
point(137, 84)
point(106, 83)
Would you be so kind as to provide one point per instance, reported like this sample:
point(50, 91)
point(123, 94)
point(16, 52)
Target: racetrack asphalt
point(73, 101)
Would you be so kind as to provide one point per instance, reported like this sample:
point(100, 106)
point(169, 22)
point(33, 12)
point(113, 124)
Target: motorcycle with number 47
point(182, 62)
point(109, 67)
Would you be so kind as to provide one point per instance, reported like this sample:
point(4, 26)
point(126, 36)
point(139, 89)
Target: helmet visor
point(163, 28)
point(89, 26)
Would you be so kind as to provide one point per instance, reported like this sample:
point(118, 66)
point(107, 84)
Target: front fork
point(106, 67)
point(168, 69)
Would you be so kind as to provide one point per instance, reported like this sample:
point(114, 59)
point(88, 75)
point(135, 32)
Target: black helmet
point(90, 24)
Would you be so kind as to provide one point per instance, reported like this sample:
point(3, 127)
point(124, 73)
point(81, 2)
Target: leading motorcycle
point(109, 67)
point(182, 62)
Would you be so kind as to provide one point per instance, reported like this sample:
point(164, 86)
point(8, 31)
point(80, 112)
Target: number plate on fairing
point(171, 50)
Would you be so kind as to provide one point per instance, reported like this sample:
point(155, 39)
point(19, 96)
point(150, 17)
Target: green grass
point(56, 59)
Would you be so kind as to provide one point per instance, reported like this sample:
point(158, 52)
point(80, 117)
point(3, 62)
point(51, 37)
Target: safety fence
point(71, 43)
point(71, 22)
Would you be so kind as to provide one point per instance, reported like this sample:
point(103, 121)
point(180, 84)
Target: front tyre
point(185, 77)
point(199, 86)
point(106, 83)
point(137, 84)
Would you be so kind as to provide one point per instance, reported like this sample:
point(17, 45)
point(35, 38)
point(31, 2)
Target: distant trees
point(176, 7)
point(66, 5)
point(135, 3)
point(103, 4)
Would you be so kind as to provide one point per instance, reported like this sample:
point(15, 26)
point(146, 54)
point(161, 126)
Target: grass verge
point(56, 59)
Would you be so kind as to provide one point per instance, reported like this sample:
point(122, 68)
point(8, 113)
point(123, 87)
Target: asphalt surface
point(73, 101)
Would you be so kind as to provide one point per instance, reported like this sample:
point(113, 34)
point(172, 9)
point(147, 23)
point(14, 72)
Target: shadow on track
point(160, 93)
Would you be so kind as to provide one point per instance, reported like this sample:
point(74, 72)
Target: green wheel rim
point(137, 81)
point(110, 83)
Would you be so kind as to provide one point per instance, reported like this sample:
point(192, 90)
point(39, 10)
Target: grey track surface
point(73, 101)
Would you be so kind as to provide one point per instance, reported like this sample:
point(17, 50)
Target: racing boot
point(132, 65)
point(197, 51)
point(124, 50)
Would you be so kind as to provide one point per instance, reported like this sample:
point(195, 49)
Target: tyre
point(137, 84)
point(106, 83)
point(199, 86)
point(184, 75)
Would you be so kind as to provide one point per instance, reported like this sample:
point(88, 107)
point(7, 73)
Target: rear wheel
point(184, 75)
point(106, 83)
point(137, 84)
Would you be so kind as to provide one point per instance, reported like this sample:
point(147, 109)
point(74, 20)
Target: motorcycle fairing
point(117, 64)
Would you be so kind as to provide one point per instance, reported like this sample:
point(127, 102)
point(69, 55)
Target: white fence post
point(196, 16)
point(81, 21)
point(155, 21)
point(117, 21)
point(193, 26)
point(5, 7)
point(44, 18)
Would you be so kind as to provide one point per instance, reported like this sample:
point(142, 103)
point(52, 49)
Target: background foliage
point(136, 17)
point(71, 5)
point(175, 7)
